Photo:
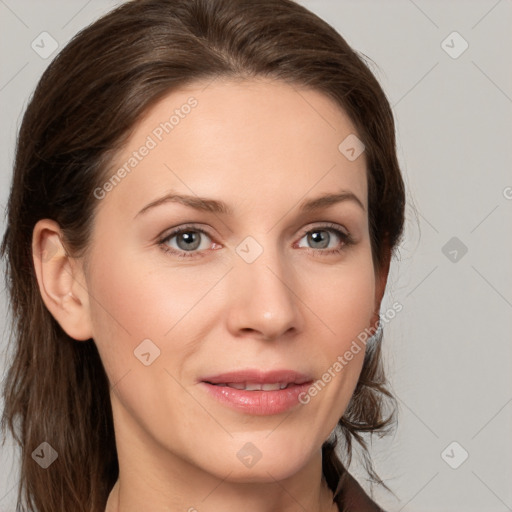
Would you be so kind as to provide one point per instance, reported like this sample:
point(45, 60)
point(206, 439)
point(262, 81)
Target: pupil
point(190, 239)
point(320, 237)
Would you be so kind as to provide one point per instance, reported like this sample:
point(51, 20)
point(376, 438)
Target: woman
point(205, 202)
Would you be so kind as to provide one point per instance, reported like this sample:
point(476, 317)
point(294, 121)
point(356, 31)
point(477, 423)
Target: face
point(200, 329)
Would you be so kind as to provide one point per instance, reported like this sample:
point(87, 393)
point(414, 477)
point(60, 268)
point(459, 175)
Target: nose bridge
point(263, 299)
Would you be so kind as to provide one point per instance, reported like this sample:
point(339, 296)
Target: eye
point(328, 239)
point(185, 241)
point(191, 241)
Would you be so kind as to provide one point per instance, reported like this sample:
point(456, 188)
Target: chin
point(264, 473)
point(257, 459)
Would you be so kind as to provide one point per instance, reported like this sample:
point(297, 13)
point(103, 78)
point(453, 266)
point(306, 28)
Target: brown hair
point(83, 109)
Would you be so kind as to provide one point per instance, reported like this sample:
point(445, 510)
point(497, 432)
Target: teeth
point(254, 386)
point(237, 385)
point(251, 386)
point(271, 387)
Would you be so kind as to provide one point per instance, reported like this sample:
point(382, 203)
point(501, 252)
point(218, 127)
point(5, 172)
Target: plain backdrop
point(445, 67)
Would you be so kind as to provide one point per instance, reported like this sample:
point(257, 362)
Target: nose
point(263, 298)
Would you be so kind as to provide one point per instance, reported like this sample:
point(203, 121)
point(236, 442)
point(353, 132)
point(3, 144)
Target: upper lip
point(259, 377)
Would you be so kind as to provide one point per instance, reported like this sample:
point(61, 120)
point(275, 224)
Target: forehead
point(246, 139)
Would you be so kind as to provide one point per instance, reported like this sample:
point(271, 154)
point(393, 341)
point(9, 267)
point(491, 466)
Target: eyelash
point(346, 238)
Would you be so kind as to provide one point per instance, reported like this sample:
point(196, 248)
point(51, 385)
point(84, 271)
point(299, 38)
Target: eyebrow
point(215, 206)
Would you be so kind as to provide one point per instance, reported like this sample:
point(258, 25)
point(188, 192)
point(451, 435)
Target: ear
point(381, 278)
point(61, 280)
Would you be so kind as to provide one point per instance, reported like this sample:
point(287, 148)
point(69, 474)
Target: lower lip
point(260, 403)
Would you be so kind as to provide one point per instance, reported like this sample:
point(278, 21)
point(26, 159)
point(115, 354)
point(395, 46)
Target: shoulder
point(355, 498)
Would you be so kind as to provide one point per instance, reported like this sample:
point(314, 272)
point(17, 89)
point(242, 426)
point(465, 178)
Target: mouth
point(254, 386)
point(257, 392)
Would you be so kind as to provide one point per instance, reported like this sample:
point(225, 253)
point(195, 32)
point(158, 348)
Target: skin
point(262, 147)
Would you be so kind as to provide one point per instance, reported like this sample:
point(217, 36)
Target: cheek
point(123, 307)
point(132, 302)
point(345, 303)
point(344, 300)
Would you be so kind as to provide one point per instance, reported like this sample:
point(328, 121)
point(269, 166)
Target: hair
point(82, 111)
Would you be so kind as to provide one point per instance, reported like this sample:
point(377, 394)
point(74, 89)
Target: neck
point(120, 502)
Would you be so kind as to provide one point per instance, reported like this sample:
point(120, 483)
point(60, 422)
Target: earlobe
point(61, 281)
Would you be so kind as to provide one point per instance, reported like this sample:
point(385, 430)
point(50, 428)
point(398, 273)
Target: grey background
point(449, 351)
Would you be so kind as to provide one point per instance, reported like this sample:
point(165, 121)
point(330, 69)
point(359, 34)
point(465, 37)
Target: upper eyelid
point(326, 226)
point(179, 229)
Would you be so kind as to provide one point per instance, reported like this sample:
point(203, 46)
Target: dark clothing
point(355, 498)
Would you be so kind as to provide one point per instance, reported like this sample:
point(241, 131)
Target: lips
point(257, 392)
